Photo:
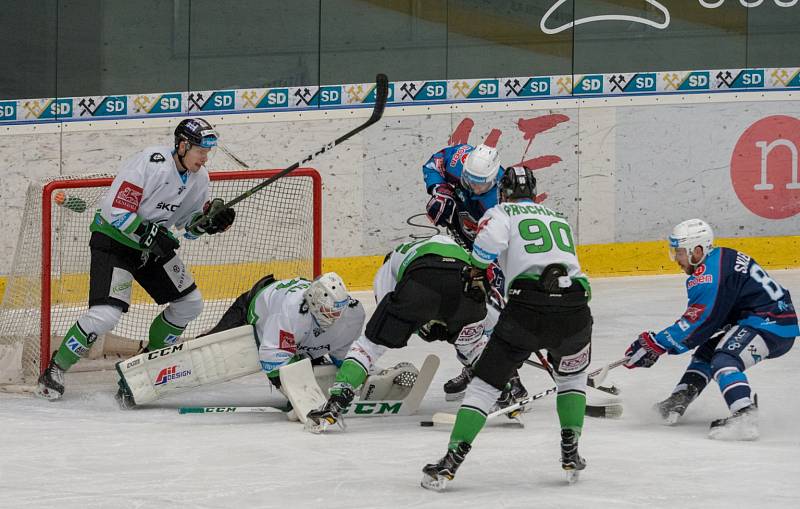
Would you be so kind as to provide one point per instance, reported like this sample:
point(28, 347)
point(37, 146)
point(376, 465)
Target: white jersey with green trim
point(283, 331)
point(524, 238)
point(149, 187)
point(392, 269)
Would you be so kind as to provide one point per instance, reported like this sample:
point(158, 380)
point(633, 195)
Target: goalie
point(289, 320)
point(418, 289)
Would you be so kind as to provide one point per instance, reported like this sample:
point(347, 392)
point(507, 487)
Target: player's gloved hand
point(442, 206)
point(644, 352)
point(157, 239)
point(221, 219)
point(434, 331)
point(474, 280)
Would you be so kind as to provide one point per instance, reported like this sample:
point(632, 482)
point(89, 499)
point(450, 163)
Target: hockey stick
point(225, 150)
point(230, 409)
point(591, 382)
point(367, 408)
point(448, 418)
point(600, 374)
point(608, 410)
point(381, 94)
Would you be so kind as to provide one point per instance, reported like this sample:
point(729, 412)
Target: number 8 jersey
point(524, 238)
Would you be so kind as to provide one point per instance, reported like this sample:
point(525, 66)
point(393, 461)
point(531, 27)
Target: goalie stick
point(381, 95)
point(368, 408)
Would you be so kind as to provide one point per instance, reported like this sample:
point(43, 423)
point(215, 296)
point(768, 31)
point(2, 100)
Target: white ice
point(84, 452)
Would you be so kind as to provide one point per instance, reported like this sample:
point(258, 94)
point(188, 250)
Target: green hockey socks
point(571, 408)
point(76, 344)
point(351, 373)
point(469, 422)
point(163, 333)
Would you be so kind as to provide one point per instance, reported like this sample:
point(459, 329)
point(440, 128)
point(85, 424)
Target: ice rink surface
point(84, 452)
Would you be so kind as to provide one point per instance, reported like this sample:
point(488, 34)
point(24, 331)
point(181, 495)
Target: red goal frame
point(47, 217)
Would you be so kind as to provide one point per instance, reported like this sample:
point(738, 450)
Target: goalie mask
point(327, 298)
point(518, 183)
point(690, 234)
point(480, 169)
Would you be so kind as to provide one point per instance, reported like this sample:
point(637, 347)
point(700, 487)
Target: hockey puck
point(426, 424)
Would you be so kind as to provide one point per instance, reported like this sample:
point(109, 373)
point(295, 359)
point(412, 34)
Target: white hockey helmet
point(690, 234)
point(480, 169)
point(327, 298)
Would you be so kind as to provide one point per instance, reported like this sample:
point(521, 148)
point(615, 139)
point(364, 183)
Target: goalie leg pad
point(211, 359)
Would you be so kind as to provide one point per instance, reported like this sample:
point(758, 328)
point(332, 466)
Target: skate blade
point(433, 483)
point(740, 435)
point(455, 396)
point(324, 425)
point(572, 476)
point(672, 419)
point(45, 393)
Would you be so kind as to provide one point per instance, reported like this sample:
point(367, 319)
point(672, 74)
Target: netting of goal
point(277, 230)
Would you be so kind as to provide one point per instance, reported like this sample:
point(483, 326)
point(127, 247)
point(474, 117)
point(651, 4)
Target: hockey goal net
point(277, 230)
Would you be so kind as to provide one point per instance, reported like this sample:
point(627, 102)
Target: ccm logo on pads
point(128, 197)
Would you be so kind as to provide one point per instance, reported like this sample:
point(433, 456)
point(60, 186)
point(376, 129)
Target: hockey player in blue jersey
point(462, 181)
point(737, 316)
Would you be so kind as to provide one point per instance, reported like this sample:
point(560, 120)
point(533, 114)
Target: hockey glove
point(222, 219)
point(644, 352)
point(434, 331)
point(442, 206)
point(222, 216)
point(474, 280)
point(157, 239)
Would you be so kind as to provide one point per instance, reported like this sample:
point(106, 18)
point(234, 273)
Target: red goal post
point(277, 230)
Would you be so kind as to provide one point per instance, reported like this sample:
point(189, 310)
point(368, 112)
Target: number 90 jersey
point(524, 238)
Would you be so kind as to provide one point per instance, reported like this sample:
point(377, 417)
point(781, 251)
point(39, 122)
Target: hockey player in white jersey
point(291, 319)
point(418, 289)
point(547, 309)
point(156, 189)
point(296, 318)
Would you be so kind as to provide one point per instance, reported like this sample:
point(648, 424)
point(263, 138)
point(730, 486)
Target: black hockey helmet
point(197, 132)
point(517, 183)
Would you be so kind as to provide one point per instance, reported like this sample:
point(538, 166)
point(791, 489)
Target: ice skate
point(513, 393)
point(673, 408)
point(455, 388)
point(742, 425)
point(571, 461)
point(51, 382)
point(319, 421)
point(124, 397)
point(436, 475)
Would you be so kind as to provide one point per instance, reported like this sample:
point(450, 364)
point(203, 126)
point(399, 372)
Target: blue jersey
point(730, 288)
point(445, 166)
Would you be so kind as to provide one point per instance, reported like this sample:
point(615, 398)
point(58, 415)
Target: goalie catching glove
point(216, 218)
